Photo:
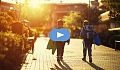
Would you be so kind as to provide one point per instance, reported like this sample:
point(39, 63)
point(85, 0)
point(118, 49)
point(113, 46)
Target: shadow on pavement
point(94, 66)
point(68, 67)
point(56, 67)
point(63, 66)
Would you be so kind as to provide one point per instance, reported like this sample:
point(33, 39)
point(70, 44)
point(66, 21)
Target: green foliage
point(114, 7)
point(74, 21)
point(10, 48)
point(32, 32)
point(11, 41)
point(11, 44)
point(26, 32)
point(108, 38)
point(94, 14)
point(12, 14)
point(113, 4)
point(104, 37)
point(5, 21)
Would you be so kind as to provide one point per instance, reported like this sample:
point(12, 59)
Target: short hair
point(60, 22)
point(85, 22)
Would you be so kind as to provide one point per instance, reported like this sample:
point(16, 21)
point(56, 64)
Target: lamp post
point(89, 13)
point(0, 5)
point(20, 10)
point(20, 6)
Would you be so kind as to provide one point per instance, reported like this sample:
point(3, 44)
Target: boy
point(88, 34)
point(60, 44)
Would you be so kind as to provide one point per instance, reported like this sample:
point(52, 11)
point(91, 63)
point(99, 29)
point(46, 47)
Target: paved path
point(103, 58)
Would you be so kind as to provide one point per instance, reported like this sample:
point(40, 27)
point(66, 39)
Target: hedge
point(108, 38)
point(11, 47)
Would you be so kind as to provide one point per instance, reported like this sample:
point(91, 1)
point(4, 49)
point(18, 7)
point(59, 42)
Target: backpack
point(88, 32)
point(97, 40)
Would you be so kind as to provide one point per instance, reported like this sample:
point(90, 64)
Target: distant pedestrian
point(88, 35)
point(60, 44)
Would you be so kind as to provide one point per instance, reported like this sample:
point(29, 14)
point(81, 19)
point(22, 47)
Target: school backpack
point(88, 32)
point(97, 40)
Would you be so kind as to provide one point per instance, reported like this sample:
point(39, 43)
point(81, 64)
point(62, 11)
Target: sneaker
point(61, 58)
point(58, 59)
point(90, 60)
point(84, 59)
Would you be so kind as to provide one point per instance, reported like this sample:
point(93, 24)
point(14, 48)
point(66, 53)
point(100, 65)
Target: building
point(106, 22)
point(110, 22)
point(0, 5)
point(58, 11)
point(6, 6)
point(95, 4)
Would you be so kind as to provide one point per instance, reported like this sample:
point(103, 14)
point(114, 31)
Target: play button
point(59, 34)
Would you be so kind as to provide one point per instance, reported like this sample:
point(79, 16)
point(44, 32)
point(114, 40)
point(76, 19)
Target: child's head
point(85, 22)
point(60, 23)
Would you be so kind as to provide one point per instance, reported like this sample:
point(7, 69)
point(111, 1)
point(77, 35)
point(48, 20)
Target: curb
point(24, 58)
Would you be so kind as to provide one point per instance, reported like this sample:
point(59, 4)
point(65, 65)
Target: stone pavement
point(103, 58)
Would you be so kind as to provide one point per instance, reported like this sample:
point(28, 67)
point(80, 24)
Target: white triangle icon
point(59, 34)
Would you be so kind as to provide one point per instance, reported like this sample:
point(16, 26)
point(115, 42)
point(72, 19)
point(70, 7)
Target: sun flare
point(34, 3)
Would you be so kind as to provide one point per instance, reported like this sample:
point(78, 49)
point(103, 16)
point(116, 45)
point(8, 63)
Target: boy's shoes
point(90, 60)
point(58, 58)
point(61, 58)
point(84, 59)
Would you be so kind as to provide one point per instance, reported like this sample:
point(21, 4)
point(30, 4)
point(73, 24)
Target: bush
point(5, 21)
point(11, 47)
point(11, 44)
point(108, 38)
point(104, 37)
point(33, 32)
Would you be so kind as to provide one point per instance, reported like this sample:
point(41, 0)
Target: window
point(76, 6)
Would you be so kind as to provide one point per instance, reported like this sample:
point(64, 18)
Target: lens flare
point(34, 3)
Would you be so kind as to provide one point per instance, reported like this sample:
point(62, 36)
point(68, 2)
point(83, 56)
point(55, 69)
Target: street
point(103, 57)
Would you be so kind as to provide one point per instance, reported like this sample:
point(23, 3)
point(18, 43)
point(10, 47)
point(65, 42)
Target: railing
point(31, 42)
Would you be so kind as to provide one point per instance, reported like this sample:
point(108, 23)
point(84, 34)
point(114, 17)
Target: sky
point(52, 1)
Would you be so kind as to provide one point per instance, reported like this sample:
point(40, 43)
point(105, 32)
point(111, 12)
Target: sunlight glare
point(34, 3)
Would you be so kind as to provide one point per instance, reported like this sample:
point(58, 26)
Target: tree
point(38, 16)
point(74, 21)
point(5, 21)
point(94, 16)
point(114, 7)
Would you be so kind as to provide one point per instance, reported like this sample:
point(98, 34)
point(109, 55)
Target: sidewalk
point(103, 58)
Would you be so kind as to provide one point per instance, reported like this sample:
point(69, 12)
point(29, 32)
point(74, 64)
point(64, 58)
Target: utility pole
point(89, 12)
point(0, 5)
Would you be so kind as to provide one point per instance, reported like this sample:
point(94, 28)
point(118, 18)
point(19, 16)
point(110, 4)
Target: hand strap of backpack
point(93, 40)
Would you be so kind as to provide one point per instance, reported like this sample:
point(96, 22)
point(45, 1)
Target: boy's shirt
point(87, 28)
point(61, 42)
